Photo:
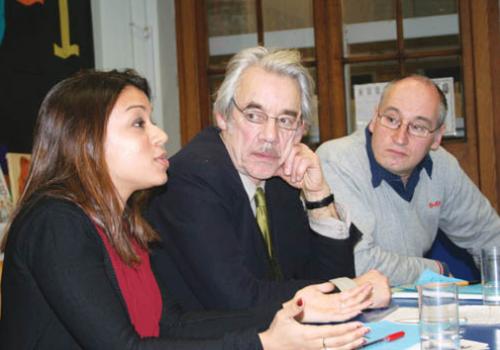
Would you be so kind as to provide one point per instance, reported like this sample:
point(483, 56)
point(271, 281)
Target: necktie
point(261, 216)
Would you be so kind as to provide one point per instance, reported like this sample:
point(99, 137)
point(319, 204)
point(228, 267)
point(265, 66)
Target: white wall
point(140, 34)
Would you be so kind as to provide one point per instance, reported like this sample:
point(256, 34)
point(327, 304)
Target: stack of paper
point(469, 315)
point(464, 344)
point(471, 292)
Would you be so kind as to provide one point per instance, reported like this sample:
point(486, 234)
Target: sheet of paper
point(471, 292)
point(469, 314)
point(465, 344)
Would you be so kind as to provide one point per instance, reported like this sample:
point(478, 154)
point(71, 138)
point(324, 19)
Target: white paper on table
point(465, 344)
point(469, 314)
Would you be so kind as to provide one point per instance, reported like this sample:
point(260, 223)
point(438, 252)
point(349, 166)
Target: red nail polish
point(299, 302)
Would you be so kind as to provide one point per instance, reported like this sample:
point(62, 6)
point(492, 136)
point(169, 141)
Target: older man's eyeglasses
point(414, 128)
point(259, 117)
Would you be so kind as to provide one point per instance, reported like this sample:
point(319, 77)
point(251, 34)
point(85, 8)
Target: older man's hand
point(381, 293)
point(302, 169)
point(319, 306)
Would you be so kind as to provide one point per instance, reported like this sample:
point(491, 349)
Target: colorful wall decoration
point(44, 41)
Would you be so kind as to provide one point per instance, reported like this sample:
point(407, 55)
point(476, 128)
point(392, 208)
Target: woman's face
point(134, 146)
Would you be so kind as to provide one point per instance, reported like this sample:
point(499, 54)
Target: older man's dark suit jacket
point(208, 228)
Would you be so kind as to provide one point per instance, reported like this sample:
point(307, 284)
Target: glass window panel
point(369, 27)
point(445, 67)
point(214, 82)
point(430, 24)
point(288, 24)
point(361, 96)
point(232, 26)
point(311, 138)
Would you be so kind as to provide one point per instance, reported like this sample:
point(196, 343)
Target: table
point(482, 333)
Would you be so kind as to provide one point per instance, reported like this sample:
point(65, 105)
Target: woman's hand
point(285, 332)
point(335, 307)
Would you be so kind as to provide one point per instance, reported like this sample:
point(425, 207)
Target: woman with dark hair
point(76, 270)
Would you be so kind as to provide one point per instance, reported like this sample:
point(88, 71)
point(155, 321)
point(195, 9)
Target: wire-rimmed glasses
point(414, 128)
point(259, 117)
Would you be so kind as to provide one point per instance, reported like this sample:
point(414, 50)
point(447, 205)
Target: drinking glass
point(439, 321)
point(490, 275)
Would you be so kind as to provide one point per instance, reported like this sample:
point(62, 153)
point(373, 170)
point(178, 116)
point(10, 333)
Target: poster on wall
point(5, 200)
point(5, 204)
point(43, 42)
point(367, 97)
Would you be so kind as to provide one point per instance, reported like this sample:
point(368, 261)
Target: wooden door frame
point(330, 74)
point(192, 65)
point(485, 45)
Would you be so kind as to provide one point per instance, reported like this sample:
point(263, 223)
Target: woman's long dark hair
point(68, 159)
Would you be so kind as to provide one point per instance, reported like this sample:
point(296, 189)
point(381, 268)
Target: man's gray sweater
point(397, 233)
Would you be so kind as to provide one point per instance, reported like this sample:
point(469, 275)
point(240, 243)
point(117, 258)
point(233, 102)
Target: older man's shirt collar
point(379, 173)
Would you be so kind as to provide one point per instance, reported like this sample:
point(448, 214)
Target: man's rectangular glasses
point(257, 116)
point(413, 128)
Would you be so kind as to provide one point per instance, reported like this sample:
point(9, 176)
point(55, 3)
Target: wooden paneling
point(466, 150)
point(330, 77)
point(494, 35)
point(192, 58)
point(481, 15)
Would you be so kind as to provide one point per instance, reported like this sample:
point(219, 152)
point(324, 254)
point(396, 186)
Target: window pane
point(358, 78)
point(214, 82)
point(311, 138)
point(289, 24)
point(445, 67)
point(369, 27)
point(232, 26)
point(361, 96)
point(430, 24)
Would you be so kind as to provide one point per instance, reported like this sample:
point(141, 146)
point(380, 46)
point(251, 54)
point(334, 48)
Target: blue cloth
point(429, 276)
point(384, 328)
point(379, 173)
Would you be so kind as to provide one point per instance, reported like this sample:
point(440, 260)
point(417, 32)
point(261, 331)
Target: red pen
point(390, 337)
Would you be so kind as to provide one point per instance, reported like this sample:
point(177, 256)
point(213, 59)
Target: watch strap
point(321, 203)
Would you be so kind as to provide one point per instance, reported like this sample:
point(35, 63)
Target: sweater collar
point(379, 173)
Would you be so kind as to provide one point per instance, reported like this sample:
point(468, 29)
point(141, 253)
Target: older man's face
point(258, 151)
point(396, 150)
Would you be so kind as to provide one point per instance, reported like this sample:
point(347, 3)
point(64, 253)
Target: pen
point(467, 283)
point(388, 338)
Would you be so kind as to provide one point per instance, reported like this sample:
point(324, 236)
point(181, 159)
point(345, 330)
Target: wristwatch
point(321, 203)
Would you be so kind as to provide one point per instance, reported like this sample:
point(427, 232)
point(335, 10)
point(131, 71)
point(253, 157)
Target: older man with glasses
point(247, 215)
point(401, 186)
